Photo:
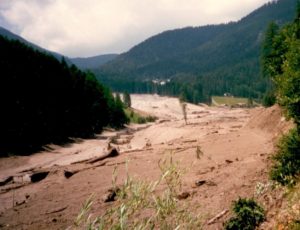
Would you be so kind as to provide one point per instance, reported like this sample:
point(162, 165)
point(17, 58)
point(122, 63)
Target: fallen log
point(6, 181)
point(217, 217)
point(57, 210)
point(112, 153)
point(189, 141)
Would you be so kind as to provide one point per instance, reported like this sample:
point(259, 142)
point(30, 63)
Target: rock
point(38, 176)
point(183, 196)
point(207, 182)
point(228, 161)
point(200, 182)
point(111, 195)
point(68, 173)
point(20, 203)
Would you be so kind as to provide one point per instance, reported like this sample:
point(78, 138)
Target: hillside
point(93, 62)
point(44, 100)
point(227, 55)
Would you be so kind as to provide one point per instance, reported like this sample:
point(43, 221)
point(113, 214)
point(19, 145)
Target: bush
point(248, 213)
point(141, 120)
point(269, 99)
point(287, 159)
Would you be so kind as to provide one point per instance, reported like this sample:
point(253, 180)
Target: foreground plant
point(140, 206)
point(286, 167)
point(248, 215)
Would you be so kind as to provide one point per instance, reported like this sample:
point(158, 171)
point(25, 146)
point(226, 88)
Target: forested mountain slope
point(93, 62)
point(46, 101)
point(219, 58)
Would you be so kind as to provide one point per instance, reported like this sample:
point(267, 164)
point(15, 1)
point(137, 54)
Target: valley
point(47, 189)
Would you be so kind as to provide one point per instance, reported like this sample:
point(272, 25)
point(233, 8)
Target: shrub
point(248, 213)
point(287, 159)
point(269, 99)
point(151, 118)
point(137, 118)
point(141, 120)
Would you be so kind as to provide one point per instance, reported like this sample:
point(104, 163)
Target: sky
point(83, 28)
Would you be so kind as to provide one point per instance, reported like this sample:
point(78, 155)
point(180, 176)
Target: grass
point(216, 100)
point(140, 206)
point(137, 118)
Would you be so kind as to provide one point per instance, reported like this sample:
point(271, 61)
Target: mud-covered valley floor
point(46, 190)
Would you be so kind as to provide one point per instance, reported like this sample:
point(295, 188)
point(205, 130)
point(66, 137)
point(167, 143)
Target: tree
point(183, 106)
point(269, 56)
point(118, 115)
point(281, 62)
point(127, 99)
point(44, 100)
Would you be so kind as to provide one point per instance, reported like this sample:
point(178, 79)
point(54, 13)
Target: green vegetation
point(293, 208)
point(281, 63)
point(288, 217)
point(228, 100)
point(139, 206)
point(269, 99)
point(46, 101)
point(287, 160)
point(135, 117)
point(218, 58)
point(248, 215)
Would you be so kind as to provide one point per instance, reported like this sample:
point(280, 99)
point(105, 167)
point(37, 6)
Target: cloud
point(91, 27)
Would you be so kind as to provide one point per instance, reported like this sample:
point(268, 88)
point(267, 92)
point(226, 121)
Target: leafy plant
point(287, 160)
point(269, 99)
point(248, 215)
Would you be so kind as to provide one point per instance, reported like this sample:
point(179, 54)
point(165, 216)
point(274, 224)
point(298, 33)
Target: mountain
point(93, 62)
point(219, 58)
point(82, 63)
point(9, 35)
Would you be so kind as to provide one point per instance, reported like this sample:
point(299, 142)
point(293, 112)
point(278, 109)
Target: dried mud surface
point(46, 190)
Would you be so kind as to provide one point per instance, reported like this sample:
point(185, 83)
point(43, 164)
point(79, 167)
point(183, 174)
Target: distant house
point(228, 95)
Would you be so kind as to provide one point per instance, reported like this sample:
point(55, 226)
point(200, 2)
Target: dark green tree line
point(46, 101)
point(281, 62)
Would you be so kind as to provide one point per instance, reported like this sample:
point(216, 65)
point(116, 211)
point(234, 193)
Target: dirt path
point(236, 144)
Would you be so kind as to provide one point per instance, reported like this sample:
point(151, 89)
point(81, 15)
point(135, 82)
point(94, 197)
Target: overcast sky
point(92, 27)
